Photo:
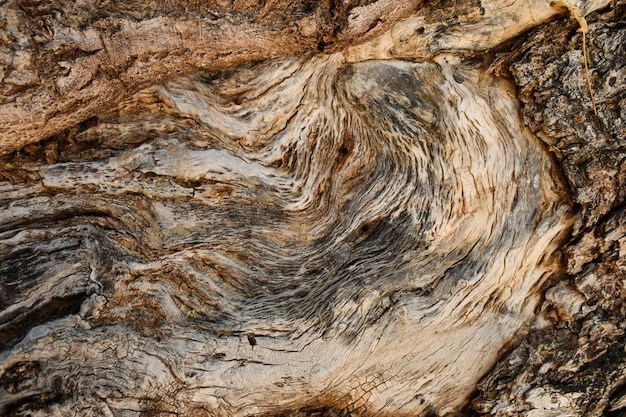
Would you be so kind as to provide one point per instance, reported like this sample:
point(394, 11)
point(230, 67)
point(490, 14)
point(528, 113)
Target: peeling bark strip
point(341, 231)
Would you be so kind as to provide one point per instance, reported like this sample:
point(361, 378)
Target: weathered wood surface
point(575, 365)
point(364, 225)
point(66, 61)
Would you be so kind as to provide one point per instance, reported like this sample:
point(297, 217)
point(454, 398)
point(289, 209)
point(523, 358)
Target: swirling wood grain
point(367, 236)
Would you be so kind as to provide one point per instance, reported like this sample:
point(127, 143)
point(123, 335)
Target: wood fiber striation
point(574, 364)
point(276, 235)
point(310, 208)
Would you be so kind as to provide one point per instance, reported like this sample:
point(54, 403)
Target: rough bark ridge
point(576, 365)
point(65, 61)
point(345, 211)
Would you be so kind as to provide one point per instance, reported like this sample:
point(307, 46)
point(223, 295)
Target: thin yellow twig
point(582, 22)
point(593, 101)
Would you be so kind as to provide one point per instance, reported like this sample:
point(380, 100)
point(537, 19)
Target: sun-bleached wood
point(60, 69)
point(350, 229)
point(300, 229)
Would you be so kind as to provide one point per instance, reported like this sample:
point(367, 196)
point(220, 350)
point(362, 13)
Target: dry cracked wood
point(277, 236)
point(62, 62)
point(333, 230)
point(574, 364)
point(65, 61)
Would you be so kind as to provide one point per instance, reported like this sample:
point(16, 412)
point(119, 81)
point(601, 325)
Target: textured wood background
point(311, 209)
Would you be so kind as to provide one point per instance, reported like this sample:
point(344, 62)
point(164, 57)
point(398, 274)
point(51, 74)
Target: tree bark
point(312, 208)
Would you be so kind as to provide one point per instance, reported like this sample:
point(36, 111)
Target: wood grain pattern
point(340, 213)
point(575, 364)
point(377, 229)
